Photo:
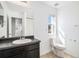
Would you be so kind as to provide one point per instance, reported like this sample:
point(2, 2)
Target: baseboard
point(68, 54)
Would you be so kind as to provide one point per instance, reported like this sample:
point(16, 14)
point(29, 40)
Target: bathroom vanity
point(26, 50)
point(15, 22)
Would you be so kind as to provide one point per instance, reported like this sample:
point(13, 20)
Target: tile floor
point(52, 55)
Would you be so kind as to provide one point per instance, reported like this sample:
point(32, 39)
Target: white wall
point(40, 15)
point(68, 21)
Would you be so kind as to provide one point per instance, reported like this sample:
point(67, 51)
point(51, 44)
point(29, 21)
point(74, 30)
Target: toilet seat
point(59, 46)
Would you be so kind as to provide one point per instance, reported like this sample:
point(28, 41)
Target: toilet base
point(59, 52)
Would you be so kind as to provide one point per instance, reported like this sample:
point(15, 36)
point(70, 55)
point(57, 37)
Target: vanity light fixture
point(21, 3)
point(56, 4)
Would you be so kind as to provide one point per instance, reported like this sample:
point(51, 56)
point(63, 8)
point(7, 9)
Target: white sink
point(21, 41)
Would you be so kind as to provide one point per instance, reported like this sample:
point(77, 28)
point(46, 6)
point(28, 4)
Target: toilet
point(58, 46)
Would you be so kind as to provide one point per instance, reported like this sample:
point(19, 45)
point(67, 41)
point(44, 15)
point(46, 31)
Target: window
point(51, 25)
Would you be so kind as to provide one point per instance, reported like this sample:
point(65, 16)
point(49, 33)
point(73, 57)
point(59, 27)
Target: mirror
point(14, 21)
point(2, 29)
point(16, 27)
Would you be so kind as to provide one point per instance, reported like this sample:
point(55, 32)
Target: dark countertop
point(6, 44)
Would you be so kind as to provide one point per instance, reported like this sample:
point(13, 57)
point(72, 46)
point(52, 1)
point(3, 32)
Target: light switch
point(74, 40)
point(75, 25)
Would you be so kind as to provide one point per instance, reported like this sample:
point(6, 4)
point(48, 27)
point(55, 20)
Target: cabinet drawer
point(31, 47)
point(19, 56)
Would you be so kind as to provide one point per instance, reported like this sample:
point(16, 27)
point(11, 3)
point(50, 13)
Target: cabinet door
point(33, 53)
point(30, 54)
point(37, 53)
point(5, 53)
point(11, 52)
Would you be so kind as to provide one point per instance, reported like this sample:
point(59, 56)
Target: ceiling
point(58, 4)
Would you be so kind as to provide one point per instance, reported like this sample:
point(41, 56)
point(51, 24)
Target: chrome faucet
point(21, 36)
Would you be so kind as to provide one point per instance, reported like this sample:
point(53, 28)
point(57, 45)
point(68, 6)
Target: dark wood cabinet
point(26, 51)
